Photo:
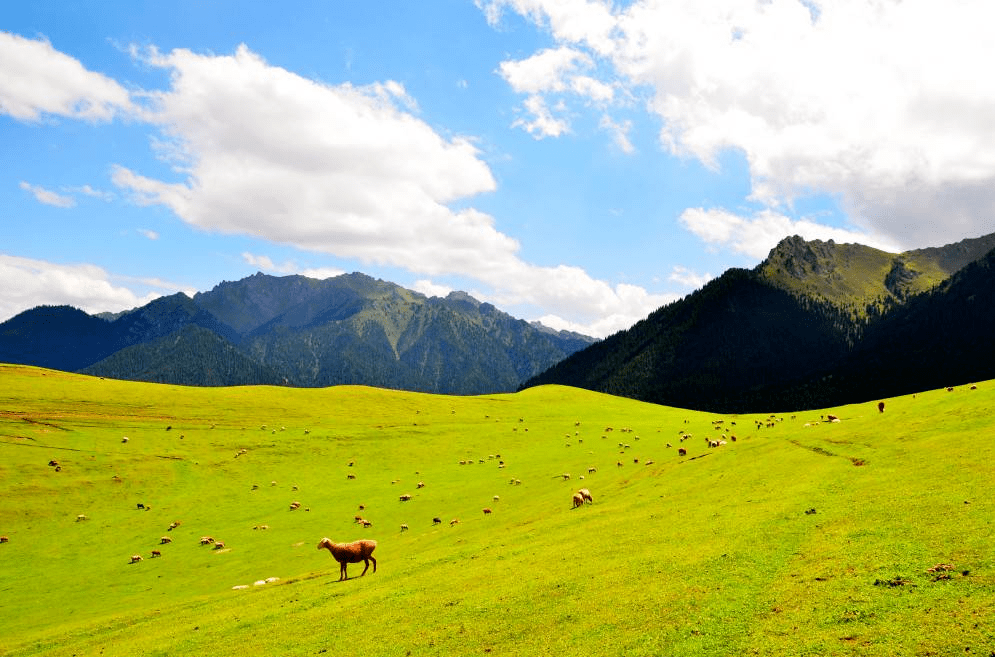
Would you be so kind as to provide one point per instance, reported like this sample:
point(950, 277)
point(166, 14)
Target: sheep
point(347, 553)
point(367, 523)
point(497, 498)
point(81, 517)
point(295, 505)
point(219, 545)
point(404, 527)
point(173, 525)
point(135, 558)
point(405, 497)
point(682, 452)
point(155, 553)
point(4, 539)
point(454, 522)
point(53, 463)
point(578, 500)
point(125, 439)
point(586, 495)
point(420, 484)
point(261, 527)
point(487, 511)
point(436, 520)
point(164, 540)
point(206, 540)
point(350, 476)
point(880, 407)
point(591, 470)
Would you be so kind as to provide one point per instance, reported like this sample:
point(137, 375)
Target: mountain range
point(815, 324)
point(298, 331)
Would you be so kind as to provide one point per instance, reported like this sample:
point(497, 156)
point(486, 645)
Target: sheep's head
point(325, 543)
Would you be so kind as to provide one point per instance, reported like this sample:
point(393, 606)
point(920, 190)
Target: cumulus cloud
point(886, 107)
point(756, 235)
point(266, 264)
point(689, 279)
point(26, 283)
point(350, 171)
point(36, 80)
point(47, 196)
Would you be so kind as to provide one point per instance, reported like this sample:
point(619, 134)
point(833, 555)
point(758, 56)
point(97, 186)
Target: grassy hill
point(801, 537)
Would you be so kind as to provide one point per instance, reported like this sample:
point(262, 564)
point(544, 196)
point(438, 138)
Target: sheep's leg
point(374, 563)
point(366, 567)
point(343, 575)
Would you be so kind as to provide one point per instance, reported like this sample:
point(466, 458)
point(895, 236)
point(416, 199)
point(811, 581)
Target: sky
point(576, 162)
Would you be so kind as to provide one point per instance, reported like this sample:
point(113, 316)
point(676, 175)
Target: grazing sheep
point(81, 517)
point(53, 463)
point(682, 452)
point(173, 525)
point(591, 470)
point(294, 506)
point(404, 527)
point(586, 495)
point(487, 511)
point(405, 497)
point(206, 540)
point(125, 439)
point(880, 407)
point(367, 523)
point(453, 522)
point(497, 498)
point(261, 527)
point(347, 553)
point(164, 540)
point(4, 539)
point(421, 484)
point(219, 545)
point(350, 476)
point(578, 500)
point(436, 521)
point(135, 558)
point(156, 553)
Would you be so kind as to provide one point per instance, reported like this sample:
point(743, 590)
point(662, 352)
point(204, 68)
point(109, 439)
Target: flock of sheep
point(362, 550)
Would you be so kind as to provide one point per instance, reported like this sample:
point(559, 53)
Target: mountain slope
point(191, 353)
point(814, 324)
point(298, 331)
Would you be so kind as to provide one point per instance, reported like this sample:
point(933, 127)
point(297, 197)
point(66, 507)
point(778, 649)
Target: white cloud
point(541, 123)
point(37, 80)
point(430, 289)
point(26, 283)
point(86, 190)
point(547, 70)
point(755, 236)
point(47, 196)
point(148, 234)
point(619, 133)
point(687, 278)
point(886, 106)
point(265, 263)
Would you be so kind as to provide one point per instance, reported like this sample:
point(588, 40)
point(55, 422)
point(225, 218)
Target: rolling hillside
point(868, 536)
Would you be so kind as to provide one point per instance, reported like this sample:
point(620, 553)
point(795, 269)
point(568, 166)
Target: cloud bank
point(885, 106)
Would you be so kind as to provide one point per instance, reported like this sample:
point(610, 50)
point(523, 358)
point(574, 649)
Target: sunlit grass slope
point(801, 538)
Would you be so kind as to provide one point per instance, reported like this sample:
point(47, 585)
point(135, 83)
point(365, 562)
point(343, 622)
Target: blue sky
point(579, 162)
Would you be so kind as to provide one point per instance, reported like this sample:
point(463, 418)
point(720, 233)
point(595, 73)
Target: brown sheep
point(173, 525)
point(164, 540)
point(156, 553)
point(4, 539)
point(437, 521)
point(405, 497)
point(880, 407)
point(206, 540)
point(135, 558)
point(682, 452)
point(578, 500)
point(487, 511)
point(586, 495)
point(219, 545)
point(347, 553)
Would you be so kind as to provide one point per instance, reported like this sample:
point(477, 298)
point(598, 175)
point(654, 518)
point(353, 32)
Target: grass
point(709, 554)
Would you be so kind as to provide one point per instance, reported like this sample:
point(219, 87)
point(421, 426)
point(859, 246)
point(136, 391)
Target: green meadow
point(868, 536)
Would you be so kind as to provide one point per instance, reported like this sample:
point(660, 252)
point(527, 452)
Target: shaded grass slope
point(870, 536)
